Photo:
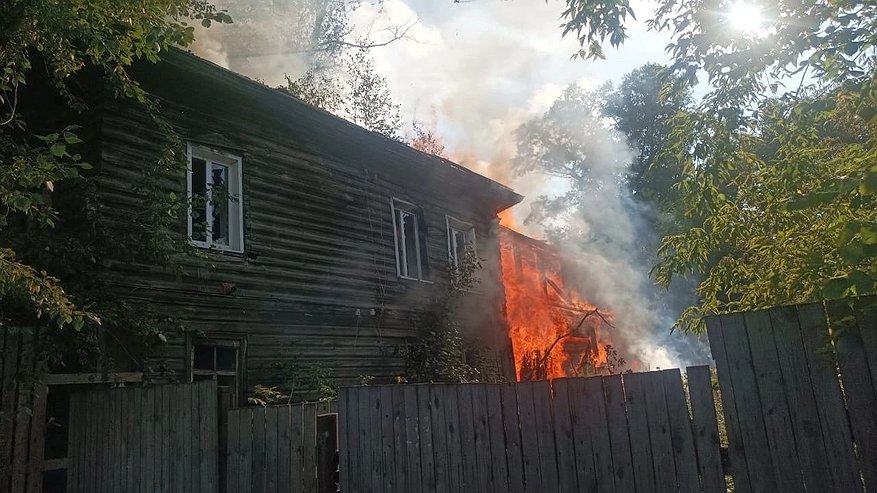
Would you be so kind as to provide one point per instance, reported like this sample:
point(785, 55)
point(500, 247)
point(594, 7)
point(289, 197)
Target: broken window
point(409, 232)
point(461, 237)
point(215, 203)
point(220, 360)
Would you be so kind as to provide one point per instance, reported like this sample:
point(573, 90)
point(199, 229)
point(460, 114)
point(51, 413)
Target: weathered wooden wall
point(622, 433)
point(799, 386)
point(22, 412)
point(146, 439)
point(274, 448)
point(318, 280)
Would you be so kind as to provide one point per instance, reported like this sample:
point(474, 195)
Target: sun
point(746, 17)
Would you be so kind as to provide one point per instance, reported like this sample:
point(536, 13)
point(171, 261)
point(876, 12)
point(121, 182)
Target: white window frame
point(401, 256)
point(453, 224)
point(235, 197)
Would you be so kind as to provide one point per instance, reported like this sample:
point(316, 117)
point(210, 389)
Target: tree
point(781, 193)
point(642, 109)
point(358, 94)
point(41, 253)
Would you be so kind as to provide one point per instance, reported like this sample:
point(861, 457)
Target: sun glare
point(746, 17)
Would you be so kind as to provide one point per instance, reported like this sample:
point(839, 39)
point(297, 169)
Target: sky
point(475, 71)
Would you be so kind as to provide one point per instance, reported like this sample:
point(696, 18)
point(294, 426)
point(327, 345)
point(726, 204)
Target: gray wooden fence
point(276, 448)
point(620, 433)
point(799, 387)
point(150, 439)
point(22, 412)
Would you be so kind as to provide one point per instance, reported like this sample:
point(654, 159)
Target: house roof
point(311, 128)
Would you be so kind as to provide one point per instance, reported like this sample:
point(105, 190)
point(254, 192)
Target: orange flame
point(553, 332)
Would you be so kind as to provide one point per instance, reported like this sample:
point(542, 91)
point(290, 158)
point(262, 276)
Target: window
point(461, 237)
point(410, 234)
point(215, 202)
point(220, 360)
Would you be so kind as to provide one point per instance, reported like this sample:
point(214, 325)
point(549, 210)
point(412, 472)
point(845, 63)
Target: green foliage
point(358, 94)
point(300, 381)
point(777, 195)
point(53, 242)
point(440, 353)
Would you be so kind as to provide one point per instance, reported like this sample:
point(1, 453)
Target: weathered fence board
point(274, 448)
point(140, 439)
point(532, 436)
point(22, 412)
point(799, 394)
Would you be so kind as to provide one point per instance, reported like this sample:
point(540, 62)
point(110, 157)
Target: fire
point(553, 332)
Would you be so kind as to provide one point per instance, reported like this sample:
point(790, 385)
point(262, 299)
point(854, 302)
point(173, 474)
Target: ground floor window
point(219, 359)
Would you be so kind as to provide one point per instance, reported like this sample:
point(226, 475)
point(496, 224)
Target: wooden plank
point(425, 425)
point(187, 471)
point(375, 446)
point(792, 363)
point(8, 393)
point(37, 435)
point(452, 427)
point(545, 436)
point(271, 455)
point(512, 436)
point(124, 410)
point(563, 436)
point(310, 444)
point(22, 419)
point(259, 455)
point(829, 400)
point(529, 440)
point(858, 389)
point(387, 455)
point(706, 432)
point(638, 421)
point(585, 471)
point(344, 444)
point(412, 439)
point(440, 438)
point(736, 449)
point(164, 404)
point(177, 396)
point(659, 432)
point(499, 461)
point(327, 445)
point(866, 318)
point(132, 461)
point(284, 451)
point(594, 409)
point(482, 437)
point(771, 392)
point(684, 456)
point(468, 455)
point(147, 478)
point(248, 416)
point(399, 438)
point(73, 440)
point(209, 452)
point(233, 452)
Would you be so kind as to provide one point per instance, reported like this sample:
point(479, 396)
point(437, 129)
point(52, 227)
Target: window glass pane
point(225, 381)
point(198, 378)
point(226, 357)
point(409, 227)
point(203, 358)
point(199, 199)
point(400, 241)
point(219, 198)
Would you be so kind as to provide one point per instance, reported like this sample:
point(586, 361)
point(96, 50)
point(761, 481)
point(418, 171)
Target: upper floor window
point(215, 201)
point(410, 234)
point(461, 237)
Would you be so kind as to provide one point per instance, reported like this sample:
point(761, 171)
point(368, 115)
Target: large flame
point(554, 333)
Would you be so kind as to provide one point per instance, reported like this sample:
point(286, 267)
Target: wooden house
point(322, 250)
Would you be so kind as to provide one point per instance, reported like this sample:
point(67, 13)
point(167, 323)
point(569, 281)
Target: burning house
point(554, 331)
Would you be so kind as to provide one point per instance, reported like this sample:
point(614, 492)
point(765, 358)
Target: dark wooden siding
point(319, 253)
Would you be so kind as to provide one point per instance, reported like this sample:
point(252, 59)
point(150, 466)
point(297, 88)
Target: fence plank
point(792, 363)
point(452, 435)
point(8, 408)
point(545, 436)
point(467, 454)
point(440, 442)
point(22, 421)
point(659, 432)
point(427, 454)
point(683, 454)
point(736, 451)
point(858, 389)
point(348, 423)
point(826, 389)
point(563, 436)
point(310, 446)
point(482, 436)
point(385, 428)
point(529, 440)
point(512, 437)
point(37, 434)
point(706, 432)
point(413, 439)
point(619, 433)
point(272, 449)
point(232, 453)
point(581, 422)
point(866, 316)
point(296, 433)
point(638, 421)
point(399, 438)
point(495, 425)
point(777, 420)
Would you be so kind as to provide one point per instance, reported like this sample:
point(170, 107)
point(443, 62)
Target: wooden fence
point(621, 433)
point(799, 389)
point(278, 448)
point(22, 412)
point(148, 439)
